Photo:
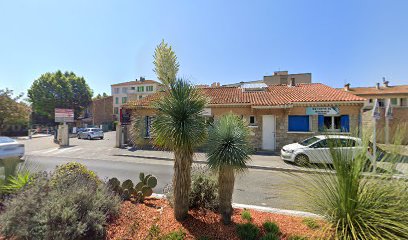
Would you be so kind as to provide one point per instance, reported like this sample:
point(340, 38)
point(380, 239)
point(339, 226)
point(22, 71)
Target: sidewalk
point(270, 161)
point(34, 136)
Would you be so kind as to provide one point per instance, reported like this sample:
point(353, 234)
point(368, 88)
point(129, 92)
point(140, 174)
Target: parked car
point(91, 133)
point(317, 149)
point(79, 130)
point(10, 148)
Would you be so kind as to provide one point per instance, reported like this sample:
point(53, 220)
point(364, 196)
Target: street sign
point(125, 117)
point(322, 111)
point(64, 115)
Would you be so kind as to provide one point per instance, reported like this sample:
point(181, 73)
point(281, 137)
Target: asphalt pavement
point(255, 186)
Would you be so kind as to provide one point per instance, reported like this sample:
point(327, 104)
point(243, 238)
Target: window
point(404, 102)
point(132, 88)
point(381, 102)
point(148, 125)
point(124, 99)
point(252, 120)
point(334, 123)
point(116, 100)
point(116, 90)
point(116, 110)
point(149, 88)
point(394, 101)
point(124, 90)
point(370, 100)
point(298, 123)
point(140, 89)
point(321, 144)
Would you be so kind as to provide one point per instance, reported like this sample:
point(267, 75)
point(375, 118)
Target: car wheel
point(79, 137)
point(302, 160)
point(101, 138)
point(89, 137)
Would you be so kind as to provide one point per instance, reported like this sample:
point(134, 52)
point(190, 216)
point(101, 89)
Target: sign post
point(64, 116)
point(388, 116)
point(376, 116)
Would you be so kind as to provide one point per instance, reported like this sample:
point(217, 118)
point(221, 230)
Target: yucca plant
point(358, 204)
point(17, 182)
point(179, 126)
point(228, 152)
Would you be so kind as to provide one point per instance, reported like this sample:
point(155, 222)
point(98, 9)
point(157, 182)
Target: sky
point(107, 42)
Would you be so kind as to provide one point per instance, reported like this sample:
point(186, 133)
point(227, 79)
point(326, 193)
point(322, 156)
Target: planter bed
point(136, 220)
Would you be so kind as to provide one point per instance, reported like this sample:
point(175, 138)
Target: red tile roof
point(135, 83)
point(273, 95)
point(398, 89)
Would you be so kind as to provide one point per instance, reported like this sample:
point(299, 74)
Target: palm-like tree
point(228, 152)
point(180, 127)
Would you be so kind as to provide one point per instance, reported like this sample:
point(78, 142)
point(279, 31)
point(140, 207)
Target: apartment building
point(385, 93)
point(278, 77)
point(133, 90)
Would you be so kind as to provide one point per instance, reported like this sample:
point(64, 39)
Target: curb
point(277, 169)
point(263, 209)
point(259, 167)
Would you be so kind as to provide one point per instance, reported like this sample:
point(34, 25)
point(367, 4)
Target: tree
point(180, 127)
point(11, 111)
point(228, 151)
point(166, 64)
point(59, 90)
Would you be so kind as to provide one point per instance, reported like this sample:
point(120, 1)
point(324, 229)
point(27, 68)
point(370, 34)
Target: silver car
point(91, 133)
point(10, 148)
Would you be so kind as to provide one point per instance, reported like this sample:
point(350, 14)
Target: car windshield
point(6, 140)
point(96, 130)
point(309, 141)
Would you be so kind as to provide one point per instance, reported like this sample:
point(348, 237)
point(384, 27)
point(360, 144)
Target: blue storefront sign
point(322, 111)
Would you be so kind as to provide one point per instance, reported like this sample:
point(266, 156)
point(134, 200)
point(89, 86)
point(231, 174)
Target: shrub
point(271, 227)
point(246, 215)
point(74, 169)
point(203, 192)
point(63, 206)
point(247, 231)
point(270, 236)
point(204, 189)
point(176, 235)
point(358, 206)
point(154, 232)
point(311, 223)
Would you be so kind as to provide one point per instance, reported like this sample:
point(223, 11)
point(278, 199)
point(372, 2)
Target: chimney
point(142, 79)
point(347, 87)
point(291, 82)
point(218, 84)
point(214, 84)
point(385, 83)
point(377, 86)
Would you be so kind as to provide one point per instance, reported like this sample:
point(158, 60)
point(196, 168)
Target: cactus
point(145, 187)
point(139, 191)
point(126, 194)
point(114, 184)
point(127, 184)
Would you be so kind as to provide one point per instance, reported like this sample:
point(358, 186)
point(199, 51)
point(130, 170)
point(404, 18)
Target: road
point(258, 187)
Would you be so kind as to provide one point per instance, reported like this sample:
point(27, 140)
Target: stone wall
point(398, 125)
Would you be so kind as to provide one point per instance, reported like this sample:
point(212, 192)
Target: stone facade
point(282, 135)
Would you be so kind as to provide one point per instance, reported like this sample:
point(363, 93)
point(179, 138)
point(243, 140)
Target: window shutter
point(320, 122)
point(345, 123)
point(298, 123)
